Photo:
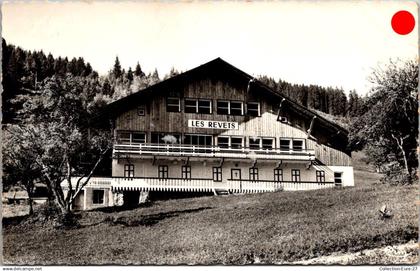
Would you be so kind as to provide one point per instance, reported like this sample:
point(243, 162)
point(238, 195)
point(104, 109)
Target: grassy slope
point(236, 229)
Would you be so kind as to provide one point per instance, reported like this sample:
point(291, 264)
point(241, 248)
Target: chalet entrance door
point(236, 177)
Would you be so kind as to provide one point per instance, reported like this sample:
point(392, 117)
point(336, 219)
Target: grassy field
point(275, 227)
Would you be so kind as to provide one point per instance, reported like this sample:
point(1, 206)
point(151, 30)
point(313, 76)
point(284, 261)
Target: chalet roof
point(222, 66)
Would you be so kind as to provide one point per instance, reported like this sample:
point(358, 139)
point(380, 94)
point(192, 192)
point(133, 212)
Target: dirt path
point(399, 254)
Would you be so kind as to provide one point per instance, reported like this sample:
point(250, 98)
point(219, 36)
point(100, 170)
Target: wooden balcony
point(208, 185)
point(149, 149)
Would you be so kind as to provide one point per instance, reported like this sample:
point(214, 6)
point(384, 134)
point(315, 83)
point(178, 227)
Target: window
point(298, 145)
point(253, 109)
point(124, 137)
point(98, 196)
point(236, 142)
point(190, 106)
point(138, 137)
point(278, 174)
point(320, 176)
point(338, 178)
point(165, 138)
point(141, 110)
point(254, 143)
point(198, 140)
point(129, 171)
point(253, 173)
point(284, 144)
point(173, 104)
point(217, 174)
point(236, 108)
point(204, 107)
point(267, 143)
point(230, 142)
point(223, 107)
point(235, 174)
point(295, 175)
point(186, 172)
point(230, 108)
point(163, 172)
point(223, 142)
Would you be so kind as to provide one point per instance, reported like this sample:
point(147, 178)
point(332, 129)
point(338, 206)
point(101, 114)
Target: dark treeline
point(329, 100)
point(23, 70)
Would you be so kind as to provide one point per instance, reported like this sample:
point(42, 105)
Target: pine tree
point(72, 66)
point(88, 70)
point(155, 77)
point(106, 88)
point(129, 75)
point(116, 71)
point(138, 71)
point(49, 66)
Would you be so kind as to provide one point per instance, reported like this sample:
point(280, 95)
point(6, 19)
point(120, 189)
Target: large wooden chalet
point(212, 129)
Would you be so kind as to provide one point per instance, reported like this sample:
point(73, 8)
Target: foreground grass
point(236, 229)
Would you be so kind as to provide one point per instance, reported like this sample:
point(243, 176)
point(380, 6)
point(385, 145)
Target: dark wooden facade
point(218, 80)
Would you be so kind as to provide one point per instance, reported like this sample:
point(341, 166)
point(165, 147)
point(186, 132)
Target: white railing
point(159, 184)
point(212, 151)
point(208, 185)
point(94, 182)
point(248, 186)
point(296, 186)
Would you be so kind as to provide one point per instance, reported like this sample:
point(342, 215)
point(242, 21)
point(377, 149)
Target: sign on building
point(209, 124)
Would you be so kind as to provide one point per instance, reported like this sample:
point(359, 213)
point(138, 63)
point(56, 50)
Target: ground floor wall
point(303, 171)
point(292, 175)
point(93, 198)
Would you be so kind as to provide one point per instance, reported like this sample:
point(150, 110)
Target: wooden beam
point(221, 162)
point(249, 85)
point(311, 126)
point(279, 110)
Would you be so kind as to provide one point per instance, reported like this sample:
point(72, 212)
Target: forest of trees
point(24, 70)
point(329, 100)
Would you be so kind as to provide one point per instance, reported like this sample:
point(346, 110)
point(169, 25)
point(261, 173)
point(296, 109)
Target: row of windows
point(207, 140)
point(205, 106)
point(217, 173)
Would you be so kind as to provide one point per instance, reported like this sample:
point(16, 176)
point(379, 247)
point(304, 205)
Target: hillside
point(275, 227)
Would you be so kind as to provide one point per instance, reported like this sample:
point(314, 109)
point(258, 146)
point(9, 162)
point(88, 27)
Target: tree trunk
point(407, 170)
point(29, 190)
point(400, 144)
point(58, 196)
point(31, 208)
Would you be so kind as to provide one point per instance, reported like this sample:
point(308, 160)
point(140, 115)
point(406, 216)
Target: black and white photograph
point(210, 133)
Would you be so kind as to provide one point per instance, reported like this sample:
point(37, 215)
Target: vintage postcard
point(209, 133)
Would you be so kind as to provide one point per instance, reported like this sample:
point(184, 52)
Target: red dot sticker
point(403, 22)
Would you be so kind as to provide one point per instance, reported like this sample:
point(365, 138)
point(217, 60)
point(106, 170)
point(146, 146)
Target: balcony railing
point(208, 185)
point(94, 182)
point(212, 151)
point(196, 184)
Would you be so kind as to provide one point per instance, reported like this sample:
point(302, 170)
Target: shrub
point(394, 174)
